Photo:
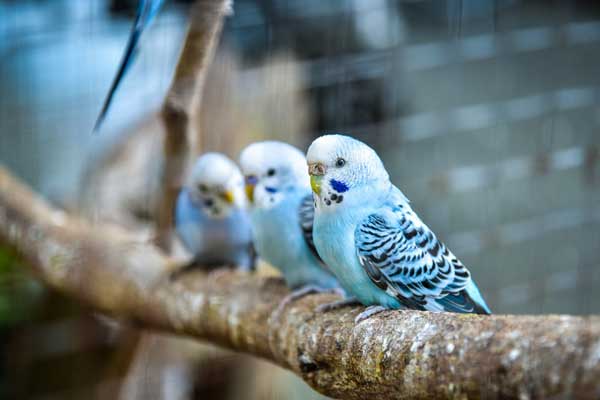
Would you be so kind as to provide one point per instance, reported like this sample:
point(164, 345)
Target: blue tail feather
point(469, 300)
point(147, 10)
point(480, 305)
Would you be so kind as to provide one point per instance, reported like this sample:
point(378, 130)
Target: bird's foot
point(298, 294)
point(184, 269)
point(339, 291)
point(336, 305)
point(222, 270)
point(194, 264)
point(369, 312)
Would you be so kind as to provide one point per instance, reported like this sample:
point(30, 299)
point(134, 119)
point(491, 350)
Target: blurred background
point(485, 112)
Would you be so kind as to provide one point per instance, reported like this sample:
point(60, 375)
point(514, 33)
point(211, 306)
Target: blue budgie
point(377, 246)
point(147, 10)
point(281, 211)
point(211, 215)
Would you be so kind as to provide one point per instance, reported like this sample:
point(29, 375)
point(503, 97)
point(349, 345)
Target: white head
point(216, 184)
point(344, 172)
point(271, 169)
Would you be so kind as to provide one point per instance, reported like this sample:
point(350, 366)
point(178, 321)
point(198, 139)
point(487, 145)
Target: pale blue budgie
point(147, 10)
point(281, 211)
point(366, 231)
point(211, 215)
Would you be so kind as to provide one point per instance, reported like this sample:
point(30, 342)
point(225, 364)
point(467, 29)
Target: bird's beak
point(315, 183)
point(250, 192)
point(316, 172)
point(250, 181)
point(228, 196)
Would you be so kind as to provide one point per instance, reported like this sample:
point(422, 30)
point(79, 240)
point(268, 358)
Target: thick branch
point(396, 354)
point(181, 104)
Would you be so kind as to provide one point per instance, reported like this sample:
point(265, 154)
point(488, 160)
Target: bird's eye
point(271, 172)
point(202, 188)
point(340, 162)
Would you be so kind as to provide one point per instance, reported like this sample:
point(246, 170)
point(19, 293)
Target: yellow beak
point(316, 172)
point(250, 192)
point(315, 183)
point(228, 196)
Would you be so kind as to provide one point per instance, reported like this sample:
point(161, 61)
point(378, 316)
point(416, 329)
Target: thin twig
point(181, 104)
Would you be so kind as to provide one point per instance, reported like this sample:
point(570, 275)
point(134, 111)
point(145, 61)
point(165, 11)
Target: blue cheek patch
point(338, 186)
point(270, 189)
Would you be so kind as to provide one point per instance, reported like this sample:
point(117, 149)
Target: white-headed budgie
point(211, 215)
point(281, 211)
point(366, 231)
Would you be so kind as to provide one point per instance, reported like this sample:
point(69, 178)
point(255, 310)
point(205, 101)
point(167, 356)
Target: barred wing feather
point(307, 216)
point(403, 256)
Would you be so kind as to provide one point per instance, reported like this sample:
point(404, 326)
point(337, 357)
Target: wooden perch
point(396, 354)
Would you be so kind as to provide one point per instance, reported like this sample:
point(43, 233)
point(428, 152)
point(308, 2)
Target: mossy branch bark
point(396, 354)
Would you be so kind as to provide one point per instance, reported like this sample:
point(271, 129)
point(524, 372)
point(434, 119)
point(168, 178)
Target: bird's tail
point(468, 300)
point(147, 10)
point(479, 304)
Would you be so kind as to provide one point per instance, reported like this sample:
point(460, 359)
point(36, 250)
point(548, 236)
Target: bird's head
point(343, 171)
point(216, 184)
point(270, 170)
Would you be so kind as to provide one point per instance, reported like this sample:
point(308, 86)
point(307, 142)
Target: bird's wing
point(402, 256)
point(147, 10)
point(307, 216)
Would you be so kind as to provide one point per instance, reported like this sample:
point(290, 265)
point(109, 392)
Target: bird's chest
point(334, 242)
point(205, 235)
point(277, 233)
point(334, 239)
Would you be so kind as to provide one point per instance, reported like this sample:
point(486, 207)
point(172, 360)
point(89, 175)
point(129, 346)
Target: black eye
point(340, 162)
point(271, 172)
point(202, 188)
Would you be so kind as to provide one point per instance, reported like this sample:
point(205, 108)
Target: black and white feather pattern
point(307, 216)
point(402, 256)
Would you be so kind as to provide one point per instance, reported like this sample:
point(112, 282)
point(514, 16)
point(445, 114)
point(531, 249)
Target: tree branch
point(181, 105)
point(396, 354)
